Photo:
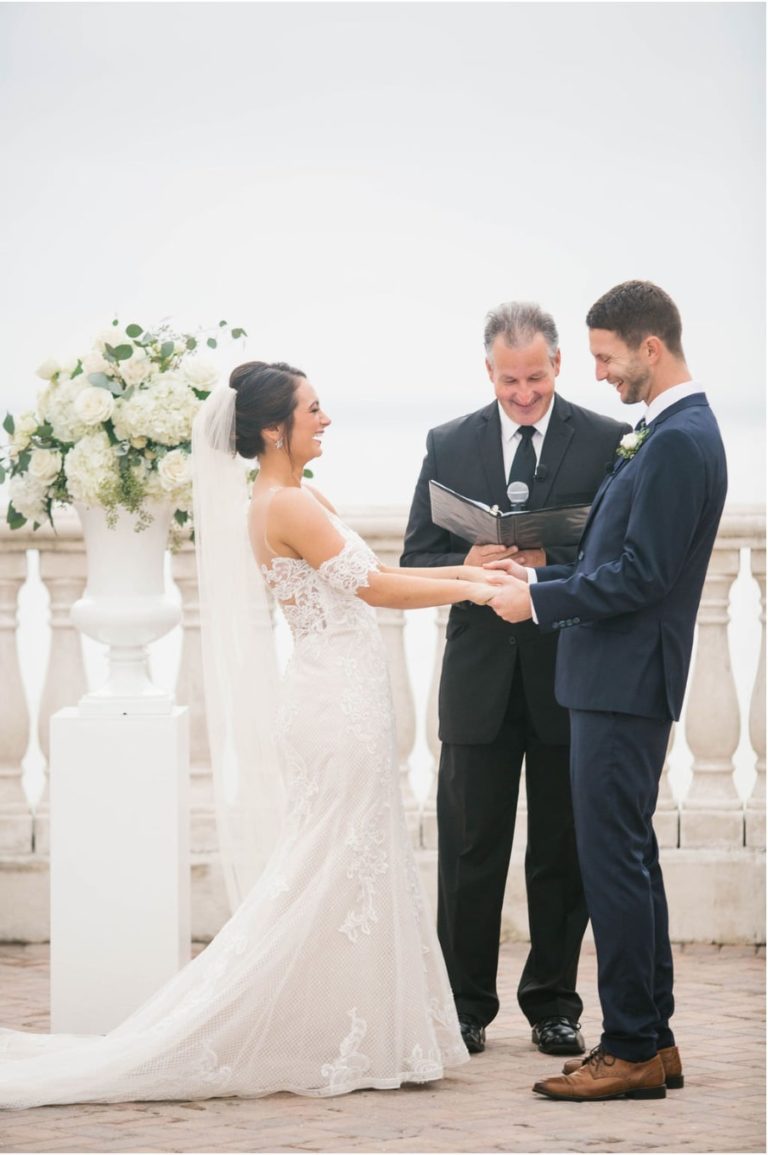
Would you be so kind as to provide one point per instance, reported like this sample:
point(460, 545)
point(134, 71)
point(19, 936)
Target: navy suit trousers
point(616, 763)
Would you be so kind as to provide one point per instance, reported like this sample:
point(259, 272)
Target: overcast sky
point(358, 183)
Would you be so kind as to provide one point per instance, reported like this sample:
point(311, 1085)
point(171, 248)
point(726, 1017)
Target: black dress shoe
point(558, 1036)
point(473, 1035)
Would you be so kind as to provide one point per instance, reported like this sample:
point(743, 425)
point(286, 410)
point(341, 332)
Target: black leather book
point(481, 524)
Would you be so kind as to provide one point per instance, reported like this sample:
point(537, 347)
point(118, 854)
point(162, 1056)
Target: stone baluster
point(755, 811)
point(15, 813)
point(429, 811)
point(666, 820)
point(712, 813)
point(209, 899)
point(63, 573)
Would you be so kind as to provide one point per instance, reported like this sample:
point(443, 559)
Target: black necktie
point(640, 425)
point(523, 464)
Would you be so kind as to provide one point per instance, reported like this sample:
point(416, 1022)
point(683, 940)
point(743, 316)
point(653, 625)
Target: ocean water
point(372, 457)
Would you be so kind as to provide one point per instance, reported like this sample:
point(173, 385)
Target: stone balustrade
point(711, 830)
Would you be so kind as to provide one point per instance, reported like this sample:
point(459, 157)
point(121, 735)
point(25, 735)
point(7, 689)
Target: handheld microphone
point(517, 492)
point(541, 473)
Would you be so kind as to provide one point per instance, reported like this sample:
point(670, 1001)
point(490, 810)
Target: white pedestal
point(119, 863)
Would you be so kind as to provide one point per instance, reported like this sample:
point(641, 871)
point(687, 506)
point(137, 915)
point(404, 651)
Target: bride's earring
point(279, 443)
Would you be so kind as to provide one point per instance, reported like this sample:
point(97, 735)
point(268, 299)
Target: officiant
point(497, 707)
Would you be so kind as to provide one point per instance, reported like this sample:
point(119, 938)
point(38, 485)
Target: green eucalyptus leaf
point(134, 330)
point(123, 352)
point(116, 388)
point(14, 518)
point(222, 324)
point(201, 394)
point(3, 474)
point(129, 392)
point(9, 425)
point(77, 370)
point(181, 516)
point(212, 343)
point(101, 380)
point(109, 353)
point(23, 461)
point(45, 430)
point(115, 322)
point(308, 473)
point(167, 348)
point(237, 333)
point(191, 343)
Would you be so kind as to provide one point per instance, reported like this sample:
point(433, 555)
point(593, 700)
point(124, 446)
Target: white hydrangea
point(24, 426)
point(163, 412)
point(136, 369)
point(173, 470)
point(88, 466)
point(200, 374)
point(44, 465)
point(93, 405)
point(28, 496)
point(57, 406)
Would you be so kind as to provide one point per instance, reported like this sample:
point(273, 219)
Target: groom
point(625, 612)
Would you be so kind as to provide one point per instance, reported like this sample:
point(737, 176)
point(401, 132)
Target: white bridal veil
point(240, 670)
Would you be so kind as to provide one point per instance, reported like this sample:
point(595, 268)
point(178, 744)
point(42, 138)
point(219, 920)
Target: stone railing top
point(741, 526)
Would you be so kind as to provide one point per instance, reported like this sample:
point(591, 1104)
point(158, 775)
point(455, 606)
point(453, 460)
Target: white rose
point(94, 405)
point(48, 369)
point(200, 374)
point(629, 441)
point(95, 362)
point(28, 497)
point(44, 465)
point(113, 336)
point(135, 369)
point(173, 470)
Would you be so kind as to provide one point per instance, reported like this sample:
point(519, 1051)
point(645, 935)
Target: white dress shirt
point(510, 436)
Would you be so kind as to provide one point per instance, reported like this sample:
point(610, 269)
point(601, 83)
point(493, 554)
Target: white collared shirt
point(670, 397)
point(510, 436)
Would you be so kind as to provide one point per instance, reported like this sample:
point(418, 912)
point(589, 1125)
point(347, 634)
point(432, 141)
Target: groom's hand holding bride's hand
point(513, 600)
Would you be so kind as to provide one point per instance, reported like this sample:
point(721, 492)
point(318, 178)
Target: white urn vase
point(125, 605)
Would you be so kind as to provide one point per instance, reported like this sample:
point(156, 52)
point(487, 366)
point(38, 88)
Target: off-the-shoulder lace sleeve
point(348, 570)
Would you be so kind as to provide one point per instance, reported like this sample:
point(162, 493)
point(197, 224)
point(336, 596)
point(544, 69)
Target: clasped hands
point(504, 569)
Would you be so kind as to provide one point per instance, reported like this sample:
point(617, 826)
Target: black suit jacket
point(482, 650)
point(626, 609)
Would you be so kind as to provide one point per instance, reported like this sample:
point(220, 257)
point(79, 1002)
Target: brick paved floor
point(486, 1106)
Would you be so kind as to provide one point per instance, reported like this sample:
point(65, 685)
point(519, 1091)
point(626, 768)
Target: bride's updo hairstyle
point(266, 396)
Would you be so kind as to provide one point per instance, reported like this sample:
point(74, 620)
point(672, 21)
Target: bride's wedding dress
point(329, 976)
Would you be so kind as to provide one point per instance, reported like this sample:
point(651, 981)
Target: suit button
point(576, 621)
point(512, 641)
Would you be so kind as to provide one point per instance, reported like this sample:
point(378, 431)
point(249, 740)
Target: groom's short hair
point(519, 322)
point(635, 310)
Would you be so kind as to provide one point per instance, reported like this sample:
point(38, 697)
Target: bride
point(328, 976)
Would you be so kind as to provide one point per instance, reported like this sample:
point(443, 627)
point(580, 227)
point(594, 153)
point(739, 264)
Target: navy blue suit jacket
point(626, 608)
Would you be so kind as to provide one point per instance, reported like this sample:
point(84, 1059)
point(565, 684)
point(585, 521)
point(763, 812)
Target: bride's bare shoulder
point(319, 497)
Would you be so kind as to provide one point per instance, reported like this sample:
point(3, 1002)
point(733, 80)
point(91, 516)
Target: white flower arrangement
point(111, 428)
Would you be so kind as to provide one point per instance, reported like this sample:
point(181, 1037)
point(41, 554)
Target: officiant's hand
point(529, 557)
point(480, 554)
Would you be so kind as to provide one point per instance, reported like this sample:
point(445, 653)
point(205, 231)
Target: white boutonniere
point(631, 442)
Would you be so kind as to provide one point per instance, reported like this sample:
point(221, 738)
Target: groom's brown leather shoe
point(604, 1076)
point(670, 1060)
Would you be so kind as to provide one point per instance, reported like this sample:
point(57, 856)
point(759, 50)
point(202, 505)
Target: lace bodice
point(317, 600)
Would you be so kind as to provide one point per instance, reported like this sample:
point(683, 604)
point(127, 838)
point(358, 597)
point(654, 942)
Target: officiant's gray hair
point(519, 322)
